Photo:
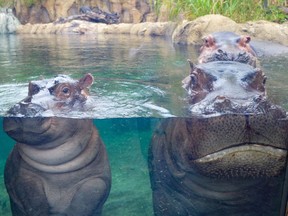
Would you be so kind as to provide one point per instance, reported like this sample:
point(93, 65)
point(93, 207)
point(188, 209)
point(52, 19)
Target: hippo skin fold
point(59, 166)
point(229, 156)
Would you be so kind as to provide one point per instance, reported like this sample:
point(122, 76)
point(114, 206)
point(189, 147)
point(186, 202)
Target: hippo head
point(226, 87)
point(227, 46)
point(53, 96)
point(35, 120)
point(235, 130)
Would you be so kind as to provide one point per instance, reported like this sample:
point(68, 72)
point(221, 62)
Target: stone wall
point(45, 11)
point(185, 32)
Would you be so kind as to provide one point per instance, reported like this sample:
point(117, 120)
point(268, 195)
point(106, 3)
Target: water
point(137, 84)
point(127, 141)
point(134, 76)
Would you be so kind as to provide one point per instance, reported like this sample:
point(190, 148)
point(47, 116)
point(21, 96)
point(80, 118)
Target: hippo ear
point(208, 41)
point(33, 89)
point(243, 43)
point(86, 81)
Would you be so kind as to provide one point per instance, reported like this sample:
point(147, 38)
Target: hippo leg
point(89, 198)
point(26, 191)
point(31, 193)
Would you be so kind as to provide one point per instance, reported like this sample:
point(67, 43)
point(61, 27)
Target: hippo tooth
point(254, 147)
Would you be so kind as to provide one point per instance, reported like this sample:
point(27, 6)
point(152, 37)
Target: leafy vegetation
point(6, 3)
point(240, 11)
point(10, 3)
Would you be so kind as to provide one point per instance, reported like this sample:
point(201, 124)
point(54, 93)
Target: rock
point(191, 32)
point(187, 32)
point(160, 29)
point(268, 31)
point(84, 27)
point(132, 11)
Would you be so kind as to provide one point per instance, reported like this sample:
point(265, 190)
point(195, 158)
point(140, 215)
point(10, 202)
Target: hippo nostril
point(220, 97)
point(220, 51)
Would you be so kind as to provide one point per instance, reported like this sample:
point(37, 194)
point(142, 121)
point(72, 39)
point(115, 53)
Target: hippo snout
point(26, 109)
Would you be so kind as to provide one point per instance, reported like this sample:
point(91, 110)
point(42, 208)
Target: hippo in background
point(59, 166)
point(227, 46)
point(229, 156)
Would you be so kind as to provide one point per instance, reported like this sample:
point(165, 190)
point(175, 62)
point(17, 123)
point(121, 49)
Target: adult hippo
point(227, 46)
point(229, 156)
point(59, 166)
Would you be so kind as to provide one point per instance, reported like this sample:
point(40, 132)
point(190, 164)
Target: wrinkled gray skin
point(59, 166)
point(226, 87)
point(227, 46)
point(228, 158)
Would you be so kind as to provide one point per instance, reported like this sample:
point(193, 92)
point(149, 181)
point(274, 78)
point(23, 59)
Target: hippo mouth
point(244, 161)
point(277, 152)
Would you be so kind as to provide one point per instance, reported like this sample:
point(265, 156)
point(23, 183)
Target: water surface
point(134, 76)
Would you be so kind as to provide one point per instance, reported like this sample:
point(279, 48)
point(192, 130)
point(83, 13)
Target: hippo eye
point(66, 90)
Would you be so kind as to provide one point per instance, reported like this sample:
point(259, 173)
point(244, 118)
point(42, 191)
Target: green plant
point(29, 3)
point(6, 3)
point(239, 11)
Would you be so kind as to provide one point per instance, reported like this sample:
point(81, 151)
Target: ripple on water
point(119, 99)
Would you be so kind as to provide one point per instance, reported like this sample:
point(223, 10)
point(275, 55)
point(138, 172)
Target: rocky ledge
point(186, 32)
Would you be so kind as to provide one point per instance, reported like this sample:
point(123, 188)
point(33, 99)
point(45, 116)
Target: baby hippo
point(59, 166)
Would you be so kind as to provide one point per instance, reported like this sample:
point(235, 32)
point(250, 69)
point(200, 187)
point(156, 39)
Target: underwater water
point(126, 141)
point(137, 84)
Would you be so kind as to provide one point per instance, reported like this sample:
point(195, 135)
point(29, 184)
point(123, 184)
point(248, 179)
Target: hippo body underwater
point(229, 156)
point(59, 166)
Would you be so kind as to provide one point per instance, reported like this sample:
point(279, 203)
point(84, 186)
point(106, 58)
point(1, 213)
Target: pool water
point(126, 141)
point(134, 76)
point(137, 84)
